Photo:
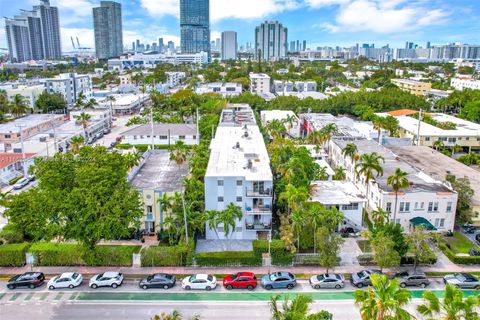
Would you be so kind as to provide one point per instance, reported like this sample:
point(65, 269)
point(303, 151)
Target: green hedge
point(367, 259)
point(228, 258)
point(62, 254)
point(13, 255)
point(280, 256)
point(168, 256)
point(458, 259)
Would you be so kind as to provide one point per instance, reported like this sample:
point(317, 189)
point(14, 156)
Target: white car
point(21, 183)
point(199, 282)
point(65, 280)
point(106, 279)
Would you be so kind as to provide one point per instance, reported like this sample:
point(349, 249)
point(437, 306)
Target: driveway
point(223, 245)
point(349, 252)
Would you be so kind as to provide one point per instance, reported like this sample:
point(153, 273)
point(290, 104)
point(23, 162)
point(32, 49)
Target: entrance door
point(150, 227)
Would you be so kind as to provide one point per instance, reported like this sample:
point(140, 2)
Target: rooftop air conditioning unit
point(249, 164)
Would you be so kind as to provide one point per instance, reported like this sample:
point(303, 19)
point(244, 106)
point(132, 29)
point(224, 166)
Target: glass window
point(220, 183)
point(449, 206)
point(239, 199)
point(181, 137)
point(220, 199)
point(239, 183)
point(389, 207)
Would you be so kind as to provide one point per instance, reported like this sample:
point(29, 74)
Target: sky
point(319, 22)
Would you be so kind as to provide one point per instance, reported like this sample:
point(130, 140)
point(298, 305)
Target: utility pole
point(198, 128)
point(54, 135)
point(151, 128)
point(418, 129)
point(185, 216)
point(20, 126)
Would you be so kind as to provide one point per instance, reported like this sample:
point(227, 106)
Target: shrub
point(366, 259)
point(458, 259)
point(11, 234)
point(228, 258)
point(13, 255)
point(14, 180)
point(280, 256)
point(168, 256)
point(63, 254)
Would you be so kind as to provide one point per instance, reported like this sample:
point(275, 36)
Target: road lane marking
point(14, 296)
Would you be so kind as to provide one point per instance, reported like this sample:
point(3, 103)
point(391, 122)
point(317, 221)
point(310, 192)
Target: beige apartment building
point(417, 88)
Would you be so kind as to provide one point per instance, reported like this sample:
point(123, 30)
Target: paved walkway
point(349, 252)
point(223, 245)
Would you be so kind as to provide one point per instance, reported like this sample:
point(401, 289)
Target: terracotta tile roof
point(7, 159)
point(402, 112)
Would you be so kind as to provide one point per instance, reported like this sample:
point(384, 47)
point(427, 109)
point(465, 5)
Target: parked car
point(65, 280)
point(412, 279)
point(28, 279)
point(349, 232)
point(99, 135)
point(20, 184)
point(462, 280)
point(31, 177)
point(327, 281)
point(158, 280)
point(200, 282)
point(279, 280)
point(474, 252)
point(106, 279)
point(477, 238)
point(240, 280)
point(107, 131)
point(362, 278)
point(469, 229)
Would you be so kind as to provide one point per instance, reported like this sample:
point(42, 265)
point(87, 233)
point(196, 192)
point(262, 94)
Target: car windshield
point(75, 276)
point(234, 276)
point(192, 278)
point(210, 278)
point(362, 274)
point(168, 276)
point(460, 277)
point(273, 276)
point(100, 275)
point(320, 277)
point(149, 278)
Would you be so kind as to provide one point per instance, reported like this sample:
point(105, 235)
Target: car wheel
point(316, 286)
point(71, 286)
point(403, 285)
point(423, 285)
point(360, 285)
point(11, 286)
point(51, 288)
point(229, 287)
point(269, 287)
point(338, 286)
point(208, 288)
point(31, 286)
point(290, 286)
point(144, 287)
point(250, 287)
point(166, 287)
point(187, 288)
point(94, 286)
point(114, 285)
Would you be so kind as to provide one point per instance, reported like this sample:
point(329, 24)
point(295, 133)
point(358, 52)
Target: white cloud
point(223, 9)
point(325, 3)
point(74, 11)
point(384, 16)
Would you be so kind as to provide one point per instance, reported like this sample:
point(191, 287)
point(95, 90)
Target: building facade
point(163, 134)
point(35, 34)
point(195, 26)
point(226, 89)
point(229, 45)
point(271, 39)
point(107, 24)
point(70, 85)
point(417, 88)
point(259, 83)
point(465, 83)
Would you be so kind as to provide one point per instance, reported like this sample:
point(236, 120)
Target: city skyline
point(323, 22)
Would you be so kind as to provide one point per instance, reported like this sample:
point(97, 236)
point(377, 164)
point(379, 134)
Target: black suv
point(158, 280)
point(28, 279)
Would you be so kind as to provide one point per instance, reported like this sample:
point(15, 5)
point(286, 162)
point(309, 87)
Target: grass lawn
point(365, 246)
point(459, 243)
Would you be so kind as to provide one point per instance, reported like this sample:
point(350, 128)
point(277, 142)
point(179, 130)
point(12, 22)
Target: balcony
point(258, 225)
point(258, 193)
point(260, 210)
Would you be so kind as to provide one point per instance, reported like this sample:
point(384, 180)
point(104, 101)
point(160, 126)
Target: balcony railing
point(266, 225)
point(258, 193)
point(258, 209)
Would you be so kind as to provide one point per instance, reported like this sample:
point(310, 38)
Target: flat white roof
point(409, 81)
point(227, 159)
point(344, 124)
point(27, 122)
point(335, 192)
point(259, 75)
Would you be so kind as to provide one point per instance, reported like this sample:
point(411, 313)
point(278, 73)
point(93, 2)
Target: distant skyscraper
point(34, 34)
point(304, 45)
point(297, 47)
point(292, 46)
point(428, 45)
point(171, 45)
point(195, 26)
point(133, 46)
point(107, 24)
point(161, 46)
point(271, 39)
point(229, 45)
point(409, 45)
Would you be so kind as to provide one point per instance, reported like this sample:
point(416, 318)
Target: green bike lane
point(231, 296)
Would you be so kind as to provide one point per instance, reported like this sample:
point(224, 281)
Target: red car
point(241, 280)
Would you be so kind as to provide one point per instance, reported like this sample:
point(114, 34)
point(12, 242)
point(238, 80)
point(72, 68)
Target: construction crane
point(73, 43)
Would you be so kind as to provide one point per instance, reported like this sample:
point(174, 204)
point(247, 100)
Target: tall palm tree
point(453, 307)
point(398, 180)
point(351, 151)
point(339, 173)
point(384, 300)
point(111, 99)
point(18, 106)
point(91, 103)
point(276, 129)
point(80, 102)
point(179, 152)
point(290, 120)
point(298, 222)
point(316, 215)
point(329, 130)
point(84, 120)
point(212, 220)
point(380, 216)
point(293, 196)
point(378, 124)
point(369, 167)
point(132, 159)
point(297, 309)
point(228, 217)
point(321, 174)
point(166, 203)
point(4, 103)
point(438, 144)
point(76, 143)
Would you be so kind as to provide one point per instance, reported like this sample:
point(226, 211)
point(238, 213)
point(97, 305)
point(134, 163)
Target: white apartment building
point(163, 134)
point(427, 200)
point(29, 93)
point(70, 85)
point(174, 78)
point(149, 61)
point(280, 86)
point(239, 172)
point(293, 128)
point(227, 89)
point(465, 83)
point(305, 86)
point(259, 83)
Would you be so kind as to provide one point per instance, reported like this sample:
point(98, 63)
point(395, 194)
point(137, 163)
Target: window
point(427, 138)
point(220, 199)
point(239, 199)
point(449, 206)
point(467, 138)
point(404, 206)
point(416, 205)
point(351, 206)
point(220, 183)
point(181, 137)
point(149, 209)
point(7, 136)
point(163, 137)
point(433, 207)
point(239, 183)
point(422, 205)
point(194, 137)
point(440, 223)
point(389, 207)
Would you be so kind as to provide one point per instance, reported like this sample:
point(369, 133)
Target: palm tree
point(297, 309)
point(438, 144)
point(293, 196)
point(166, 203)
point(329, 130)
point(80, 102)
point(339, 173)
point(5, 198)
point(18, 106)
point(316, 214)
point(91, 103)
point(298, 222)
point(369, 166)
point(133, 159)
point(75, 143)
point(174, 315)
point(321, 174)
point(384, 300)
point(111, 100)
point(453, 307)
point(398, 180)
point(212, 220)
point(179, 152)
point(380, 216)
point(84, 120)
point(228, 217)
point(276, 129)
point(4, 103)
point(351, 151)
point(289, 121)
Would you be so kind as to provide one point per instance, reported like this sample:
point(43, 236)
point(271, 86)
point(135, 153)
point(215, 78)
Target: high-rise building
point(292, 46)
point(107, 23)
point(195, 26)
point(35, 34)
point(161, 46)
point(428, 45)
point(229, 45)
point(304, 47)
point(297, 47)
point(271, 39)
point(171, 46)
